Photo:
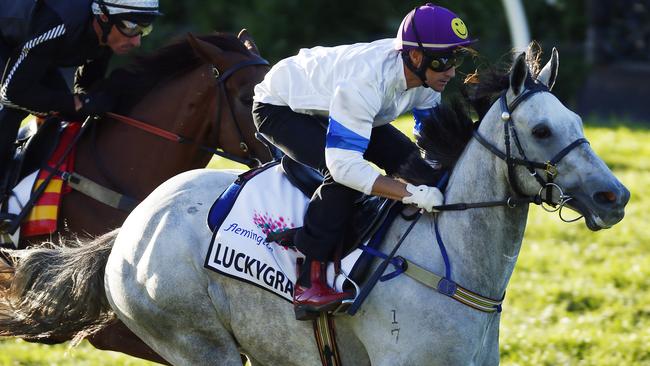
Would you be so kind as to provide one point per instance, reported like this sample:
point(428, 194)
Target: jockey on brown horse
point(39, 37)
point(120, 156)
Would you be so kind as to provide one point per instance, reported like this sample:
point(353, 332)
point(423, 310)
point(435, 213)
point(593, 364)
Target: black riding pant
point(9, 124)
point(302, 137)
point(9, 118)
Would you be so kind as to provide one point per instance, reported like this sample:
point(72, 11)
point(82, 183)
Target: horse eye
point(541, 131)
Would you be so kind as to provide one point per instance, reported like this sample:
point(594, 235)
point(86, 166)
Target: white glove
point(424, 197)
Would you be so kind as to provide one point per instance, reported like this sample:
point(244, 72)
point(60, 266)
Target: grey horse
point(155, 282)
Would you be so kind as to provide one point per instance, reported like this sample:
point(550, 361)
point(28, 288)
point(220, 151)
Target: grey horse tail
point(57, 292)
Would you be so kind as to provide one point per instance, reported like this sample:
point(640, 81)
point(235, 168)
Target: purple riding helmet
point(438, 33)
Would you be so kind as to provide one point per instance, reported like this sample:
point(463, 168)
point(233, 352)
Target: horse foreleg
point(117, 337)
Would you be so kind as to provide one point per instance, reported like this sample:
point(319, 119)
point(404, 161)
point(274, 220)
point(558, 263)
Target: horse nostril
point(605, 197)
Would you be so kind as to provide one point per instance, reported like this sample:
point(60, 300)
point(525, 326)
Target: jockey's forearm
point(390, 188)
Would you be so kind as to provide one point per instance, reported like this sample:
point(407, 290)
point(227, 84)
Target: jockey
point(38, 37)
point(331, 108)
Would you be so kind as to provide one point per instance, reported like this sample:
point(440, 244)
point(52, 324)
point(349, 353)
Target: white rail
point(519, 33)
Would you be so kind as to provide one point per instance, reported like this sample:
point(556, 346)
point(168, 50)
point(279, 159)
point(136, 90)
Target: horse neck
point(483, 243)
point(184, 106)
point(139, 161)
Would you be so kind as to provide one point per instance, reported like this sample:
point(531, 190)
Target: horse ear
point(205, 50)
point(518, 74)
point(248, 41)
point(549, 73)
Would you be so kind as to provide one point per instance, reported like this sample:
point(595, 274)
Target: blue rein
point(398, 262)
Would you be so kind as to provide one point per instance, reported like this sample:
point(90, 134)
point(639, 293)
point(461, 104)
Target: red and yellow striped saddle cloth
point(42, 219)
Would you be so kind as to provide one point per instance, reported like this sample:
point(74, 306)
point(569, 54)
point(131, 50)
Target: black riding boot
point(10, 120)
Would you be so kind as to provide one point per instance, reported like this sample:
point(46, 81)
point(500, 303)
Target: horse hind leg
point(181, 337)
point(117, 337)
point(183, 347)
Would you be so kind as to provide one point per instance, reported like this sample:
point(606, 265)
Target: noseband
point(549, 167)
point(221, 79)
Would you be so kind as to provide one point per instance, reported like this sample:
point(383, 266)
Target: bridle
point(544, 196)
point(444, 284)
point(221, 79)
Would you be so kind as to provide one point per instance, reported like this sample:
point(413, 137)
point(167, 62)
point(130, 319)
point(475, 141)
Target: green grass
point(576, 297)
point(17, 352)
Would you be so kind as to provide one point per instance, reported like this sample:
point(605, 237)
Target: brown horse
point(197, 92)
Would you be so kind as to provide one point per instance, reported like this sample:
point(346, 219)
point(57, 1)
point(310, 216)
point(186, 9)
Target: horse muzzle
point(603, 205)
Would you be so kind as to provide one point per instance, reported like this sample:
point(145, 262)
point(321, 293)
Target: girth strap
point(325, 335)
point(100, 193)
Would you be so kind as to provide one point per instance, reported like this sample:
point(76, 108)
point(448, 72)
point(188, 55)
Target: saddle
point(272, 198)
point(34, 145)
point(369, 212)
point(28, 169)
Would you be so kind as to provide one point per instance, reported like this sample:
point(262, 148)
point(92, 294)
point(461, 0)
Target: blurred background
point(576, 297)
point(604, 45)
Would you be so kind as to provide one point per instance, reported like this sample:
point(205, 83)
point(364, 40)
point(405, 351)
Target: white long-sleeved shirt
point(358, 86)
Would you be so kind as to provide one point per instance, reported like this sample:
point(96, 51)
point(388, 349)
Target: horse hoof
point(304, 314)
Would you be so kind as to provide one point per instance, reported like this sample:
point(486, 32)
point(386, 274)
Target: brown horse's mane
point(131, 82)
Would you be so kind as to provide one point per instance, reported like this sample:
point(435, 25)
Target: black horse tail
point(56, 293)
point(445, 133)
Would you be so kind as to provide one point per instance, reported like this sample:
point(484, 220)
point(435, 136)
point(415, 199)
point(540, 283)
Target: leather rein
point(221, 79)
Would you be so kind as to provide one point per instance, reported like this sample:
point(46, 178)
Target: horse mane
point(132, 82)
point(445, 134)
point(481, 88)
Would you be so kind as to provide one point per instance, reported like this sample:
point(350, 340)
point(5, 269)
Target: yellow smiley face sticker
point(459, 28)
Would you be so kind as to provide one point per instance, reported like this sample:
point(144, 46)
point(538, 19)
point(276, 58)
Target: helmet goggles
point(132, 29)
point(441, 62)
